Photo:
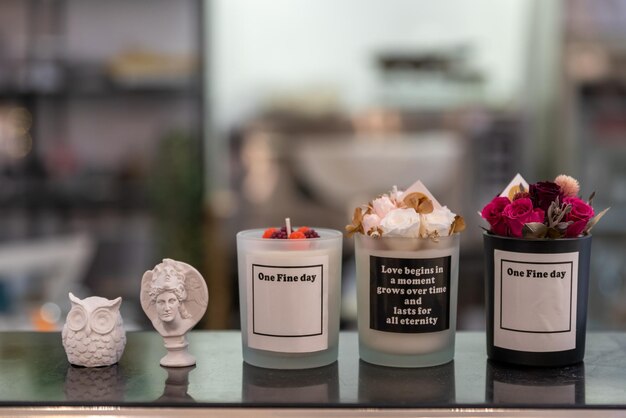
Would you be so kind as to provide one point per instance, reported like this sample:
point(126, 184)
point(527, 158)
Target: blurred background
point(132, 130)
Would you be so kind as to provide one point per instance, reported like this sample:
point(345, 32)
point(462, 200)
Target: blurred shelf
point(84, 195)
point(98, 94)
point(192, 90)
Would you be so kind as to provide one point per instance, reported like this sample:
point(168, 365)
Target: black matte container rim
point(490, 235)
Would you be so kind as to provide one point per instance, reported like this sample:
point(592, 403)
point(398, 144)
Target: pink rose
point(492, 213)
point(370, 222)
point(521, 212)
point(382, 206)
point(580, 214)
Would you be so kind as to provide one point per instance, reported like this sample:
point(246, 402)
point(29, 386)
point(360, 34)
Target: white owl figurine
point(93, 334)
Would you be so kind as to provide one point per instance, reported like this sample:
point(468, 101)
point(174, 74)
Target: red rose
point(521, 212)
point(580, 214)
point(492, 213)
point(543, 193)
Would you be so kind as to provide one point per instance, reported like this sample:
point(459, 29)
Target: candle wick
point(288, 225)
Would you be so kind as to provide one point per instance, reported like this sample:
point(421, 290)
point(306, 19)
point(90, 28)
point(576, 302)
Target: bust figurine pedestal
point(177, 353)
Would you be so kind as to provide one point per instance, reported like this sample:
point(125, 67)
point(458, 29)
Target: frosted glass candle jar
point(290, 296)
point(406, 299)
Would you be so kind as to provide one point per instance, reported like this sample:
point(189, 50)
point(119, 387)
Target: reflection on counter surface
point(398, 386)
point(95, 384)
point(177, 385)
point(510, 385)
point(307, 387)
point(34, 371)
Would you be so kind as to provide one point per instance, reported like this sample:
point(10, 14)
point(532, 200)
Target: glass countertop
point(34, 373)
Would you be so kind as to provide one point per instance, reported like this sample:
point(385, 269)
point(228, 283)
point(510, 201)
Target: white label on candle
point(287, 302)
point(535, 301)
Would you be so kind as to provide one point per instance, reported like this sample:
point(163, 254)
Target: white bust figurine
point(175, 297)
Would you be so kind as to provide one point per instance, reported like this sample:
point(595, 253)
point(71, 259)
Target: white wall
point(262, 45)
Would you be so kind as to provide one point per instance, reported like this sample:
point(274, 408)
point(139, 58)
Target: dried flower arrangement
point(412, 213)
point(546, 209)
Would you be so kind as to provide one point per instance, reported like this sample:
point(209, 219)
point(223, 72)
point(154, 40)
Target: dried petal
point(593, 221)
point(357, 223)
point(534, 230)
point(375, 232)
point(458, 225)
point(590, 200)
point(554, 234)
point(557, 212)
point(418, 201)
point(562, 226)
point(425, 207)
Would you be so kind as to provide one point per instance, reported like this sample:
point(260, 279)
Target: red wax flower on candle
point(304, 232)
point(280, 233)
point(311, 233)
point(297, 235)
point(268, 232)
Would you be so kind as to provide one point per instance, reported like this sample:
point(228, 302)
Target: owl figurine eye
point(102, 321)
point(76, 319)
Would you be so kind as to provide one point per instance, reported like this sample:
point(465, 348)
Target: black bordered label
point(291, 287)
point(535, 301)
point(410, 295)
point(287, 302)
point(559, 311)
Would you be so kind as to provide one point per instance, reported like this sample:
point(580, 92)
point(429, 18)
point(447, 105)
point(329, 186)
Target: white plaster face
point(167, 305)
